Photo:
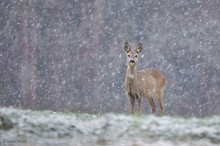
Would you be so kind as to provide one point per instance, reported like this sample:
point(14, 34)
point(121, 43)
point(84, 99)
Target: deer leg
point(139, 104)
point(152, 104)
point(132, 100)
point(161, 102)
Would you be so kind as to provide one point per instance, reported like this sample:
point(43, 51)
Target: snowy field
point(46, 128)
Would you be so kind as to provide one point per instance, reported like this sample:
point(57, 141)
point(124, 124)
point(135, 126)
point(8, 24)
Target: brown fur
point(143, 83)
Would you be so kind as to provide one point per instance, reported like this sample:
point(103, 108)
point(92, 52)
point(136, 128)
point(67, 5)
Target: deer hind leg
point(160, 100)
point(152, 104)
point(132, 101)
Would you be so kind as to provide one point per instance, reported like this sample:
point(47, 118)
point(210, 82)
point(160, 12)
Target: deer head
point(132, 56)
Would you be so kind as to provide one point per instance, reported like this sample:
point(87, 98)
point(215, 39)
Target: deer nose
point(132, 61)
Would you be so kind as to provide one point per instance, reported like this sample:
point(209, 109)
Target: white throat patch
point(131, 76)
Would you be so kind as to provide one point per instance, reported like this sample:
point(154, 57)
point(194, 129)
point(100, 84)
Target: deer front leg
point(139, 104)
point(132, 100)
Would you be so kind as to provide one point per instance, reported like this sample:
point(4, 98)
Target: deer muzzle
point(132, 61)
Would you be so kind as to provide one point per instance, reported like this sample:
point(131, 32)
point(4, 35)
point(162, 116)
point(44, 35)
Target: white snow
point(110, 129)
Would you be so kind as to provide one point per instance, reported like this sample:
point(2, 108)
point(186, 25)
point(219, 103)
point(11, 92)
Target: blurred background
point(68, 55)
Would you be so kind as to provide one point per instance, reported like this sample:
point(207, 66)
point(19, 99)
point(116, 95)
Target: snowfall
point(46, 128)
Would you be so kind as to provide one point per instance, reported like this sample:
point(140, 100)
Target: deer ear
point(127, 47)
point(139, 48)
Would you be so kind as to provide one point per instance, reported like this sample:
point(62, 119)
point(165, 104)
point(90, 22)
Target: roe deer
point(143, 83)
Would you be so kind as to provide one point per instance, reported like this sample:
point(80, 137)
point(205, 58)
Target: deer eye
point(136, 56)
point(128, 55)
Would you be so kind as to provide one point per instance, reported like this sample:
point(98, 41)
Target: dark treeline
point(68, 56)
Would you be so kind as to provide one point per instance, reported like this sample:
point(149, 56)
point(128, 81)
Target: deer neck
point(131, 74)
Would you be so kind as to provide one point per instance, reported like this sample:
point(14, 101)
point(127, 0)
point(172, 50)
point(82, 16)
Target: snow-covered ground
point(39, 128)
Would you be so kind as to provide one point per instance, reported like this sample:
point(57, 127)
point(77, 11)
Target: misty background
point(68, 55)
